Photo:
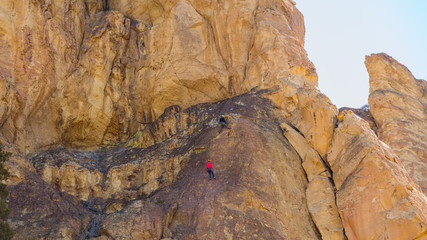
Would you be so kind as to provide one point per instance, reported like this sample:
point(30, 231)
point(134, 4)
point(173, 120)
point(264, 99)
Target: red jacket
point(209, 165)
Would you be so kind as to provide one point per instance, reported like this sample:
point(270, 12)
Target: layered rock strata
point(259, 191)
point(398, 103)
point(151, 198)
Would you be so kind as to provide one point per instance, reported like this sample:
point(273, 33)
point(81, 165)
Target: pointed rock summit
point(398, 103)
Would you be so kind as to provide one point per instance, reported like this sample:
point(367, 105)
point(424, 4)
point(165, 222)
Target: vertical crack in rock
point(320, 192)
point(252, 43)
point(94, 227)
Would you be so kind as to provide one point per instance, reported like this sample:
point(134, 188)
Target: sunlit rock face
point(59, 60)
point(266, 171)
point(202, 51)
point(373, 188)
point(117, 104)
point(320, 190)
point(162, 189)
point(89, 73)
point(259, 183)
point(398, 103)
point(365, 114)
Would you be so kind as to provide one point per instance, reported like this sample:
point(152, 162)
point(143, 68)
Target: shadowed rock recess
point(111, 110)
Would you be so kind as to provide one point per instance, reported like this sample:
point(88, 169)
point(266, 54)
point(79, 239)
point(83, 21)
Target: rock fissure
point(320, 191)
point(354, 170)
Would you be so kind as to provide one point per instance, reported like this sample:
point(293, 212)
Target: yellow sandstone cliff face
point(119, 84)
point(268, 186)
point(375, 196)
point(162, 190)
point(320, 191)
point(398, 103)
point(78, 75)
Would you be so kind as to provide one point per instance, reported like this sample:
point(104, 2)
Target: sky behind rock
point(339, 34)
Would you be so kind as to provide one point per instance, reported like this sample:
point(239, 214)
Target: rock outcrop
point(373, 188)
point(398, 103)
point(260, 187)
point(320, 190)
point(111, 110)
point(163, 190)
point(89, 73)
point(39, 211)
point(268, 186)
point(365, 114)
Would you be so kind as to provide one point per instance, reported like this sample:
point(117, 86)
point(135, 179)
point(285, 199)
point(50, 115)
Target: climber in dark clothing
point(222, 123)
point(209, 169)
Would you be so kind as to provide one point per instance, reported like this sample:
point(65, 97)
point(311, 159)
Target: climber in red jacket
point(209, 169)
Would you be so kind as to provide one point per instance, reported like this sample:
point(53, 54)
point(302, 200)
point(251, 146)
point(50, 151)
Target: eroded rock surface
point(142, 83)
point(40, 211)
point(320, 191)
point(398, 103)
point(88, 73)
point(365, 114)
point(373, 188)
point(263, 179)
point(259, 191)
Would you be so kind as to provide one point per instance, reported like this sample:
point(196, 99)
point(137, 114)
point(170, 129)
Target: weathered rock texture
point(373, 188)
point(118, 101)
point(398, 103)
point(320, 191)
point(363, 113)
point(162, 190)
point(117, 173)
point(79, 74)
point(268, 186)
point(40, 211)
point(259, 192)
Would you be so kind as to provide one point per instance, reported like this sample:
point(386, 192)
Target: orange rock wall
point(398, 103)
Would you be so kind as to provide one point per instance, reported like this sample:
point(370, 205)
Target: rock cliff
point(162, 190)
point(89, 73)
point(373, 188)
point(398, 104)
point(111, 110)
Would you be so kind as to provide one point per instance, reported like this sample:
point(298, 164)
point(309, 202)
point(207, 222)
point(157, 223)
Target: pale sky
point(340, 33)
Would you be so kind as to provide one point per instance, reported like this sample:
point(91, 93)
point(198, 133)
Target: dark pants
point(210, 171)
point(221, 125)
